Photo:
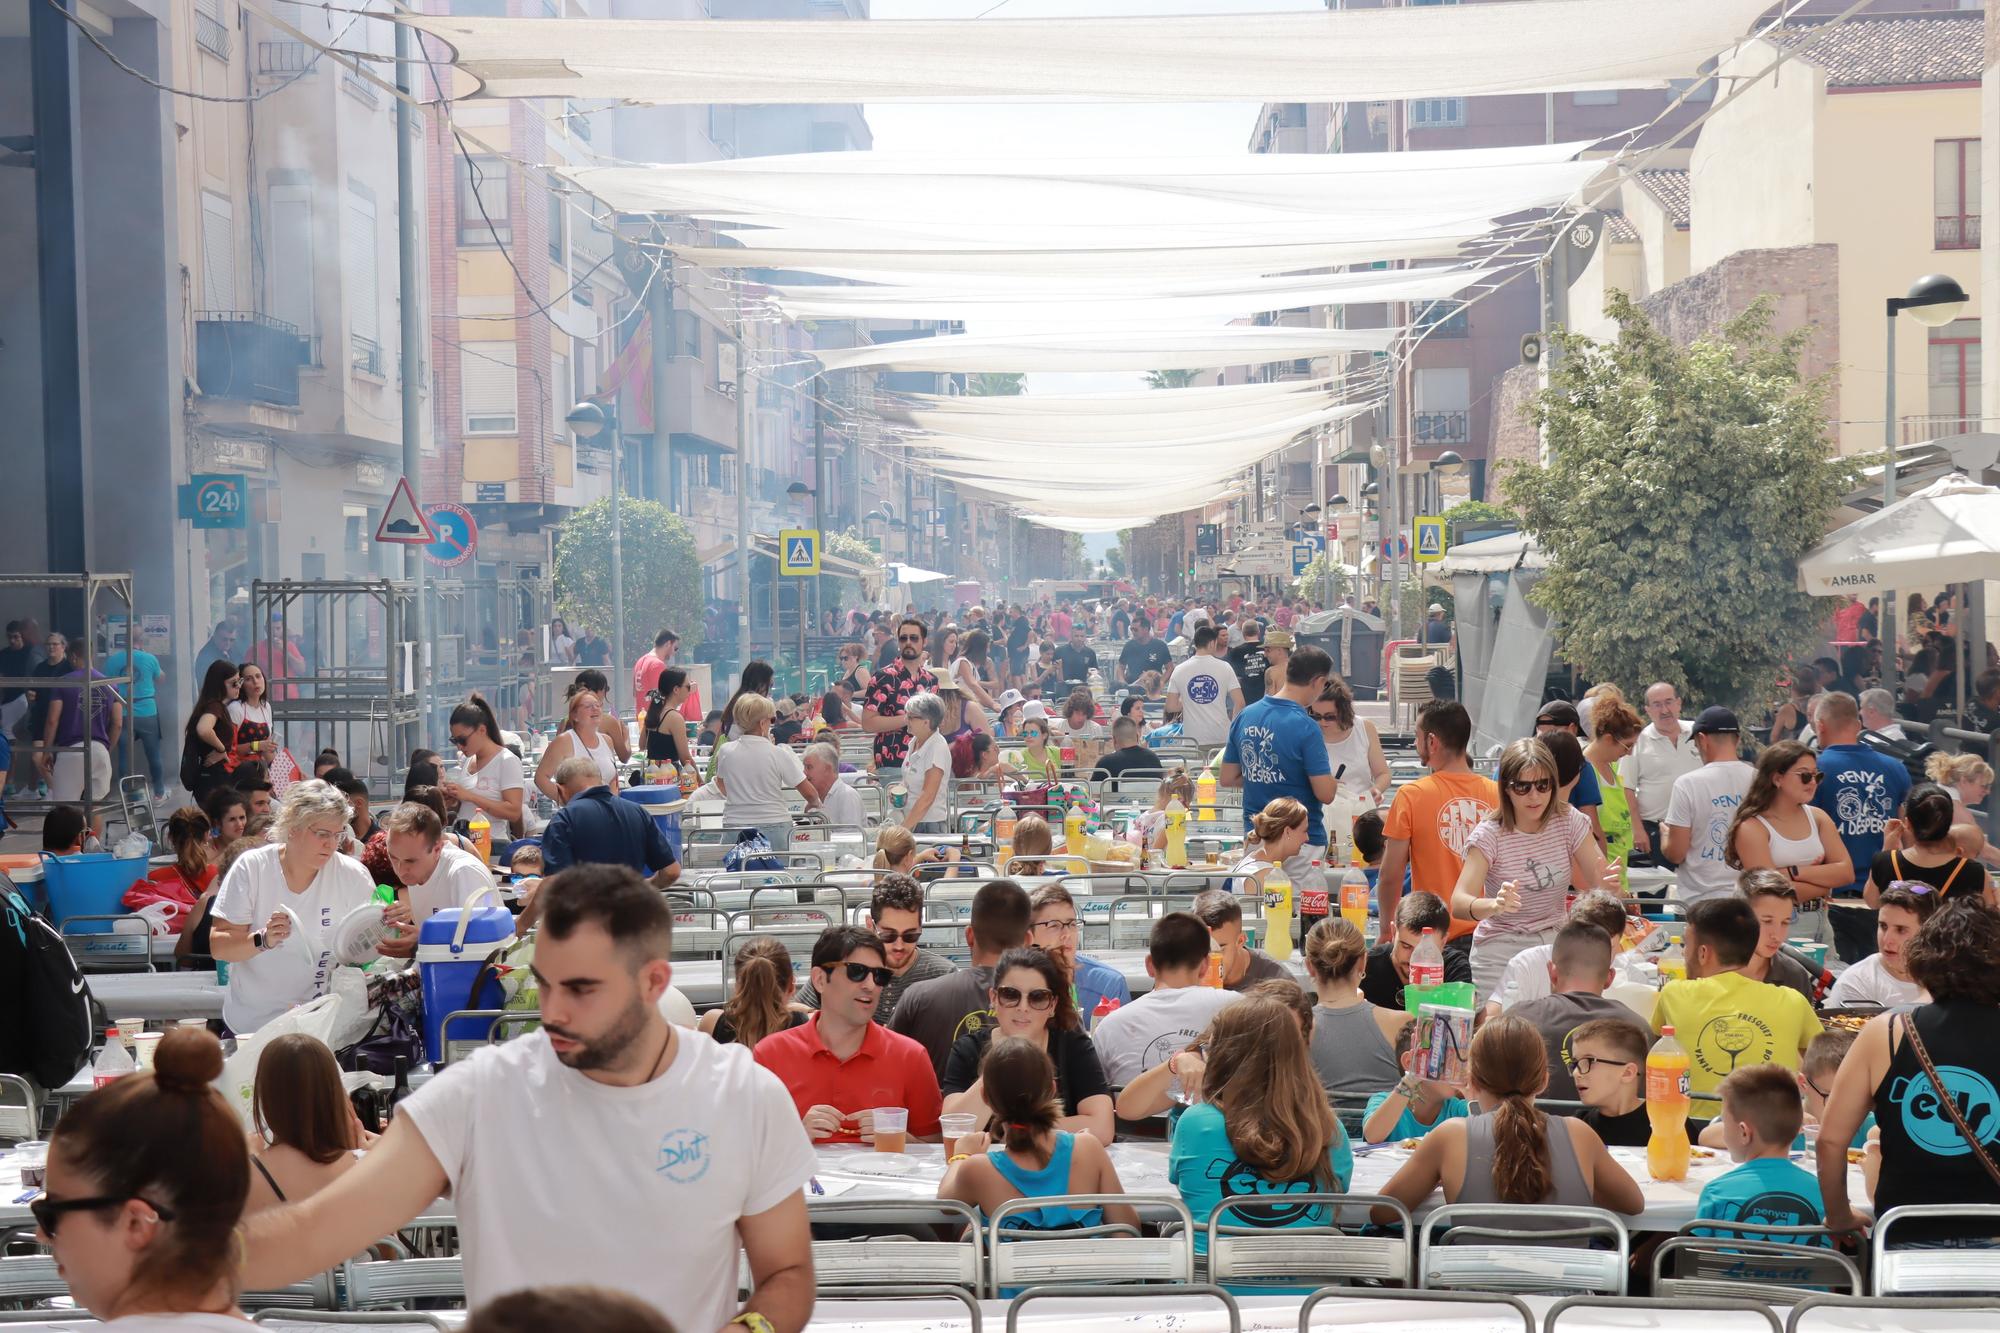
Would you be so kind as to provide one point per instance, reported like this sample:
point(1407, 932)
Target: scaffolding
point(491, 635)
point(118, 587)
point(340, 660)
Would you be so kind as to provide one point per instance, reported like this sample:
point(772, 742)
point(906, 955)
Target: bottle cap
point(1667, 1030)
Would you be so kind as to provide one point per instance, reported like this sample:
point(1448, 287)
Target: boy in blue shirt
point(1761, 1114)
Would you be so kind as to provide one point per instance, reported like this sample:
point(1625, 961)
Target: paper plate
point(357, 937)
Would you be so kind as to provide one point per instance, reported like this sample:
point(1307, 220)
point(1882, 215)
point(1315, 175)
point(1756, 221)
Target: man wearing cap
point(1203, 691)
point(1703, 803)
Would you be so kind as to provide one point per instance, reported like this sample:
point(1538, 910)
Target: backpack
point(49, 1028)
point(1912, 755)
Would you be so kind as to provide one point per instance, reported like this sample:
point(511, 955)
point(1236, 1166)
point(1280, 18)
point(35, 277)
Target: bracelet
point(956, 1157)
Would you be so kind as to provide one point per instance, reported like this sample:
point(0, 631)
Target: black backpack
point(47, 1035)
point(1912, 755)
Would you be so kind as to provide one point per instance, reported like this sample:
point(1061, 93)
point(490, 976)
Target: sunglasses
point(1324, 717)
point(909, 638)
point(461, 739)
point(1522, 786)
point(48, 1212)
point(1038, 999)
point(906, 936)
point(1810, 779)
point(860, 972)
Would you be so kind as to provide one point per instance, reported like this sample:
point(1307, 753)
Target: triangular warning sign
point(800, 552)
point(402, 521)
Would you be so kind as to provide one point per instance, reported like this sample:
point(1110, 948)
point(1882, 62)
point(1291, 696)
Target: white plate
point(359, 932)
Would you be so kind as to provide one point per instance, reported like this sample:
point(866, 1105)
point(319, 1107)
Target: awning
point(1493, 555)
point(1066, 350)
point(1949, 532)
point(899, 573)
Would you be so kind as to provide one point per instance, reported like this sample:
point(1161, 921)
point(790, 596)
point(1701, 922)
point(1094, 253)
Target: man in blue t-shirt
point(146, 672)
point(1862, 790)
point(1275, 749)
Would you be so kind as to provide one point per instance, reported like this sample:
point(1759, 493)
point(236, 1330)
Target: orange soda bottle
point(1667, 1068)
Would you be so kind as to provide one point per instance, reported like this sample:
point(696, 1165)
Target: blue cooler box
point(656, 801)
point(451, 948)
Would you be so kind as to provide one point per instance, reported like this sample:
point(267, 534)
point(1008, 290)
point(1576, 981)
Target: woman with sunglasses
point(491, 776)
point(146, 1184)
point(1520, 864)
point(1031, 1000)
point(1778, 828)
point(1035, 761)
point(208, 744)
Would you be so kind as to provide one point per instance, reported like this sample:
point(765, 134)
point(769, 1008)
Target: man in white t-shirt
point(1204, 690)
point(1883, 977)
point(1703, 803)
point(1527, 976)
point(1135, 1037)
point(436, 874)
point(838, 801)
point(609, 1148)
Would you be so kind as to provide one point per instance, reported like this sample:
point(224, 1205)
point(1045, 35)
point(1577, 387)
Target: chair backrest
point(1129, 1297)
point(914, 1294)
point(1355, 1296)
point(1240, 1255)
point(315, 1293)
point(30, 1277)
point(699, 932)
point(1729, 1315)
point(379, 1284)
point(20, 1110)
point(1935, 1272)
point(958, 1265)
point(46, 1321)
point(1751, 1261)
point(1130, 923)
point(1065, 1257)
point(798, 942)
point(1885, 1314)
point(1480, 1251)
point(318, 1319)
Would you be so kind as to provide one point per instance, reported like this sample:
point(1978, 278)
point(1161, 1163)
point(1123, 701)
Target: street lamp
point(588, 419)
point(799, 490)
point(1933, 301)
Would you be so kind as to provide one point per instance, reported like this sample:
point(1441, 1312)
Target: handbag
point(1949, 1102)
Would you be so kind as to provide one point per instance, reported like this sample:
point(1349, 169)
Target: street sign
point(934, 518)
point(1314, 540)
point(798, 551)
point(402, 521)
point(1394, 548)
point(489, 492)
point(457, 534)
point(1429, 540)
point(215, 500)
point(1302, 555)
point(1207, 540)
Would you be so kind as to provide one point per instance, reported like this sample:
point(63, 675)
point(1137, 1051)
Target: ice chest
point(451, 947)
point(663, 803)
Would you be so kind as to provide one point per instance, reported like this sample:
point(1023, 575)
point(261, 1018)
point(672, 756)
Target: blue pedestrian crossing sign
point(1302, 555)
point(1428, 539)
point(798, 551)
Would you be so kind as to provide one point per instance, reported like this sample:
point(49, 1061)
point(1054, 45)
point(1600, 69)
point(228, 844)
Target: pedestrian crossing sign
point(1429, 540)
point(798, 551)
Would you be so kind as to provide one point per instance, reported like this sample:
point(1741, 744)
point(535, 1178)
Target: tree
point(662, 573)
point(850, 545)
point(1685, 484)
point(1477, 511)
point(1170, 379)
point(1114, 560)
point(1323, 581)
point(995, 384)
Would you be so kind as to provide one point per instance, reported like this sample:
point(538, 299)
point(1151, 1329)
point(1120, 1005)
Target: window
point(1443, 402)
point(557, 212)
point(1956, 214)
point(482, 184)
point(562, 394)
point(1443, 319)
point(218, 252)
point(1290, 115)
point(488, 387)
point(360, 286)
point(291, 265)
point(687, 334)
point(211, 27)
point(1436, 113)
point(1954, 377)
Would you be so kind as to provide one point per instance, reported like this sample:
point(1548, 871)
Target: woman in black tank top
point(1926, 1156)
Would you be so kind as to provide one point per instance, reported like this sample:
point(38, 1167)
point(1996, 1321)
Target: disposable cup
point(143, 1047)
point(956, 1126)
point(33, 1155)
point(892, 1124)
point(130, 1028)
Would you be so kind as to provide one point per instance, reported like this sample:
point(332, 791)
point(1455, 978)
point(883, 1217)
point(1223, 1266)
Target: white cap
point(1007, 699)
point(1034, 710)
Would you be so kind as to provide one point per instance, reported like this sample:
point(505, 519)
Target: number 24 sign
point(215, 500)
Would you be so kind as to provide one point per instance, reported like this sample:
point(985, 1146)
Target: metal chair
point(452, 1048)
point(1251, 1256)
point(113, 950)
point(1129, 929)
point(1141, 1295)
point(27, 1278)
point(1881, 1311)
point(20, 1110)
point(1940, 1272)
point(47, 1321)
point(1751, 1261)
point(1692, 1310)
point(1345, 1295)
point(315, 1293)
point(1524, 1259)
point(901, 1292)
point(1061, 1258)
point(323, 1318)
point(393, 1283)
point(957, 1266)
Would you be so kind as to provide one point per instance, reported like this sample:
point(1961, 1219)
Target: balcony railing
point(282, 58)
point(1937, 426)
point(366, 354)
point(1959, 232)
point(243, 355)
point(1442, 427)
point(211, 34)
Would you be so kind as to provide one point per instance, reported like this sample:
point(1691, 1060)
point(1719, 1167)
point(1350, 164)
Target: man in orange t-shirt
point(1432, 817)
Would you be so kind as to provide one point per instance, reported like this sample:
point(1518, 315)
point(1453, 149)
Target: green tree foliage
point(1323, 581)
point(1477, 511)
point(1685, 484)
point(1170, 379)
point(995, 384)
point(662, 573)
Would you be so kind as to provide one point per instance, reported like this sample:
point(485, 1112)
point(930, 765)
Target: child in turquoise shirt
point(1761, 1112)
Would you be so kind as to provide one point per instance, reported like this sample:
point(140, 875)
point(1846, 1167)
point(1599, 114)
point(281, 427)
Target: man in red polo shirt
point(841, 1064)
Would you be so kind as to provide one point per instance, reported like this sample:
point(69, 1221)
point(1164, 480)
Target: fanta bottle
point(1667, 1068)
point(1354, 898)
point(1278, 913)
point(481, 829)
point(1177, 853)
point(1073, 821)
point(1204, 795)
point(1673, 963)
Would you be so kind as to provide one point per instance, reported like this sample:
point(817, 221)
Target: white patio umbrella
point(1948, 532)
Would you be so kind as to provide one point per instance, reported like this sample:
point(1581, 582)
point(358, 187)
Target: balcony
point(247, 356)
point(283, 58)
point(1442, 427)
point(366, 355)
point(1918, 429)
point(1959, 232)
point(211, 34)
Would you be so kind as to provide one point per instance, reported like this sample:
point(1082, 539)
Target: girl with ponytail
point(1022, 1154)
point(147, 1179)
point(491, 775)
point(761, 1002)
point(1513, 1153)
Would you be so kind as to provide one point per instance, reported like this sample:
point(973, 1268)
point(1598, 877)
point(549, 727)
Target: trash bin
point(662, 802)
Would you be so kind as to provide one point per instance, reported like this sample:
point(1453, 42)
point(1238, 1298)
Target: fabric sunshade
point(1096, 350)
point(1118, 402)
point(1357, 55)
point(1157, 439)
point(1948, 532)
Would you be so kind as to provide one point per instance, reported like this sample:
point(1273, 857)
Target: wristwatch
point(753, 1321)
point(257, 940)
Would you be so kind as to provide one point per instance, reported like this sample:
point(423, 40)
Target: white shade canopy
point(1948, 532)
point(1060, 437)
point(1093, 350)
point(1357, 55)
point(1121, 402)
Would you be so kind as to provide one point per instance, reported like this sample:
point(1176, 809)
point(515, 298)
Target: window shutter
point(364, 315)
point(292, 257)
point(488, 388)
point(218, 253)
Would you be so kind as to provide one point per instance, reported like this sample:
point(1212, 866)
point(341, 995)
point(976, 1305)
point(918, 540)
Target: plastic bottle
point(1217, 965)
point(1177, 853)
point(481, 829)
point(1667, 1151)
point(1278, 913)
point(1673, 963)
point(113, 1061)
point(1073, 823)
point(1003, 832)
point(1427, 960)
point(1354, 898)
point(1105, 1005)
point(1204, 795)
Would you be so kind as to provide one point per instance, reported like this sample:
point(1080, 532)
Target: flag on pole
point(632, 369)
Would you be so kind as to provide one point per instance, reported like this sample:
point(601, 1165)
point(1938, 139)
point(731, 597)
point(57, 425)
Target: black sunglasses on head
point(860, 972)
point(48, 1212)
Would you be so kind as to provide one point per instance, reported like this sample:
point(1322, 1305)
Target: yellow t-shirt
point(1728, 1022)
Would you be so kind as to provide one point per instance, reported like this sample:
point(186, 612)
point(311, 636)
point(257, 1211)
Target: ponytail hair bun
point(187, 1061)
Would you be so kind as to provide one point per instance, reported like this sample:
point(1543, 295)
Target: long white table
point(157, 996)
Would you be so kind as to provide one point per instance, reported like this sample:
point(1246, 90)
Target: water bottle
point(1427, 961)
point(113, 1061)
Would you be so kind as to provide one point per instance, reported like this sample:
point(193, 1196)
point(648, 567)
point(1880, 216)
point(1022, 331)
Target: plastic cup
point(892, 1125)
point(129, 1029)
point(956, 1126)
point(34, 1158)
point(143, 1047)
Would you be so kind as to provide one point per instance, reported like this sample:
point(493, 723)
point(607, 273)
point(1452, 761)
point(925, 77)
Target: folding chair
point(28, 1278)
point(120, 948)
point(393, 1283)
point(1940, 1272)
point(1884, 1314)
point(958, 1266)
point(135, 801)
point(1353, 1295)
point(698, 933)
point(1140, 1295)
point(490, 1024)
point(1693, 1312)
point(1529, 1258)
point(912, 1294)
point(1128, 928)
point(1091, 1255)
point(1245, 1256)
point(315, 1293)
point(1751, 1261)
point(20, 1110)
point(47, 1321)
point(318, 1319)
